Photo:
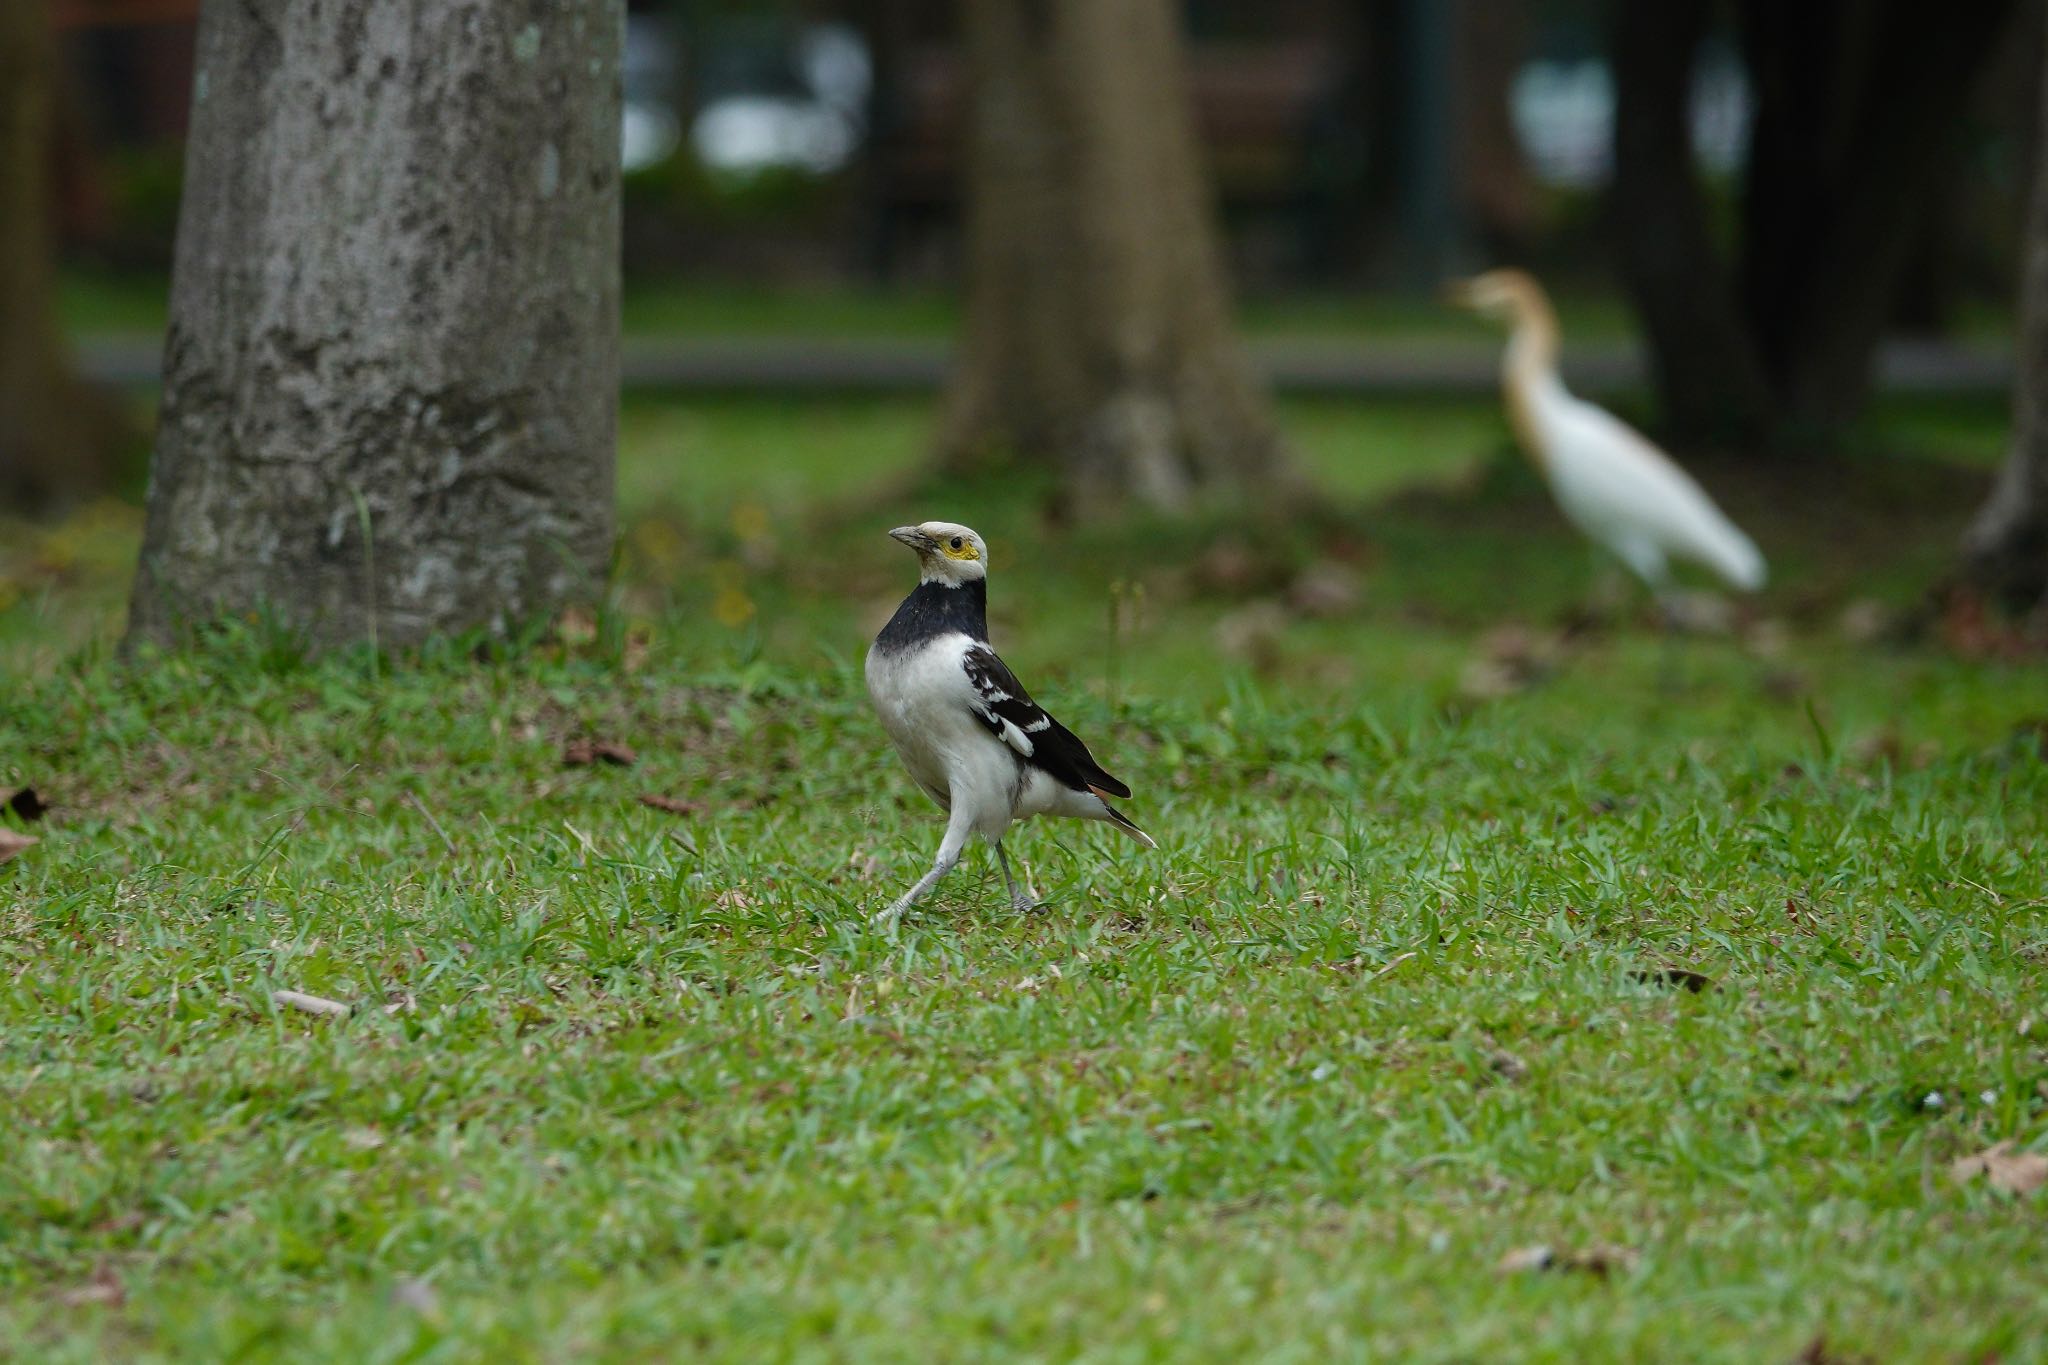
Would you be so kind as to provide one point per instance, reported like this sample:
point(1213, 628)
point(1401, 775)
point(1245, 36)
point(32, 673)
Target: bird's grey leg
point(957, 830)
point(1023, 902)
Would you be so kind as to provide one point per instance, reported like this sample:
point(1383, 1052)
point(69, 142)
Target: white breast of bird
point(926, 703)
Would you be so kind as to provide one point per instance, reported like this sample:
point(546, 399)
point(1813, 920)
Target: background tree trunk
point(58, 437)
point(1492, 38)
point(1098, 332)
point(1706, 368)
point(391, 377)
point(1857, 101)
point(2005, 551)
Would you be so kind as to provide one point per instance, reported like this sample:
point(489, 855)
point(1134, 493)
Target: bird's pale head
point(1503, 295)
point(947, 552)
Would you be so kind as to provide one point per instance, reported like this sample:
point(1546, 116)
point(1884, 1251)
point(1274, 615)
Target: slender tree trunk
point(58, 437)
point(1492, 44)
point(2005, 550)
point(1098, 333)
point(391, 377)
point(1347, 183)
point(886, 26)
point(1706, 368)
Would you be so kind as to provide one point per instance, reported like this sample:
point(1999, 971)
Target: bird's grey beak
point(911, 536)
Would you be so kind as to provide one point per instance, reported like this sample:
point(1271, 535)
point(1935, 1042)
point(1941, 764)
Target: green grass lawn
point(105, 303)
point(1392, 1001)
point(101, 303)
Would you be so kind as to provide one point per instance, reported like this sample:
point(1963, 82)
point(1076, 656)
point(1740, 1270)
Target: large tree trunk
point(1098, 332)
point(1857, 102)
point(57, 437)
point(391, 378)
point(1706, 369)
point(2005, 551)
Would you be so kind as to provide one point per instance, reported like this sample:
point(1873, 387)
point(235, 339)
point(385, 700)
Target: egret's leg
point(957, 829)
point(1606, 588)
point(1671, 645)
point(1021, 901)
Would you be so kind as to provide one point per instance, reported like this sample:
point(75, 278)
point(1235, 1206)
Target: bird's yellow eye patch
point(959, 547)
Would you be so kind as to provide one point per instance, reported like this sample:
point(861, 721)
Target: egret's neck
point(1529, 373)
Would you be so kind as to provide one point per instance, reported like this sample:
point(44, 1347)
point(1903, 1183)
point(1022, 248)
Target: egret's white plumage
point(972, 738)
point(1622, 492)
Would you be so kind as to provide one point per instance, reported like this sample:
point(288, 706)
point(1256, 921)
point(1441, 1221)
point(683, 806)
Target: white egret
point(1618, 489)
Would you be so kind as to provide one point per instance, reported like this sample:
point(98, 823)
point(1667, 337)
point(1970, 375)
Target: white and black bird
point(968, 732)
point(1618, 489)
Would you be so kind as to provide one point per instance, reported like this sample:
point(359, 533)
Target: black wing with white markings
point(1012, 717)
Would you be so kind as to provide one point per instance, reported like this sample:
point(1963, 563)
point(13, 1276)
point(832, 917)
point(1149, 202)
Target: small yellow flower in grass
point(730, 605)
point(58, 549)
point(732, 608)
point(657, 541)
point(752, 527)
point(749, 520)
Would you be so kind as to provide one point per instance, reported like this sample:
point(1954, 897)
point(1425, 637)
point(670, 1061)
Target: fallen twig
point(312, 1004)
point(421, 807)
point(12, 845)
point(1390, 966)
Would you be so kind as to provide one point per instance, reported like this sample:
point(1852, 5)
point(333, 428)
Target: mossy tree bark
point(391, 376)
point(2005, 551)
point(58, 436)
point(1098, 335)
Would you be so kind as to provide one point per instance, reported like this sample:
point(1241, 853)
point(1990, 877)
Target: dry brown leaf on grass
point(1325, 589)
point(1672, 976)
point(576, 627)
point(1865, 621)
point(1510, 659)
point(581, 753)
point(312, 1004)
point(418, 1295)
point(1253, 633)
point(27, 805)
point(1526, 1258)
point(674, 805)
point(2005, 1169)
point(103, 1288)
point(13, 845)
point(1818, 1352)
point(1599, 1260)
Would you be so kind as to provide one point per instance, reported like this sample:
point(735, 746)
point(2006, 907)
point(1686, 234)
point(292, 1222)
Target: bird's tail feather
point(1720, 544)
point(1122, 822)
point(1732, 555)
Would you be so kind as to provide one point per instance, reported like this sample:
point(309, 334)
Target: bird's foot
point(887, 920)
point(1028, 902)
